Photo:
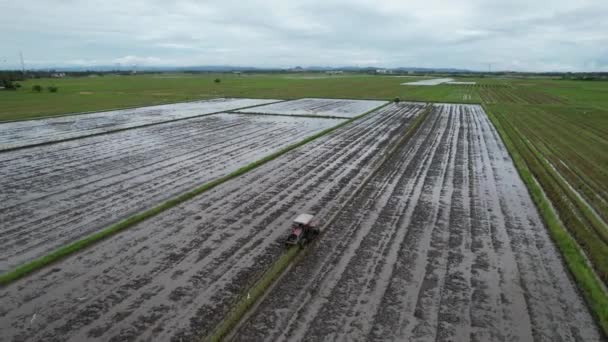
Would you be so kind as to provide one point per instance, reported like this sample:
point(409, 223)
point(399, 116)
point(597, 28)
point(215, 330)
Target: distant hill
point(229, 68)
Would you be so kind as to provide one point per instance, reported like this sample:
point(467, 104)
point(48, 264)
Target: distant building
point(384, 71)
point(58, 75)
point(297, 69)
point(334, 72)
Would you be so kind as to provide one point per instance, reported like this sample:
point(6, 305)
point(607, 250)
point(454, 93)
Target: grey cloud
point(516, 34)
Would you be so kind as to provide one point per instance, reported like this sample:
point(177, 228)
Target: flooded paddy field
point(442, 244)
point(32, 132)
point(175, 276)
point(318, 107)
point(429, 82)
point(57, 193)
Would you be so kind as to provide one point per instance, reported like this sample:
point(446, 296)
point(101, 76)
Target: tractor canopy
point(304, 219)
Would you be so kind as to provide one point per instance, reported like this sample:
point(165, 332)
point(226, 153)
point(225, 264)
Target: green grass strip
point(78, 245)
point(249, 297)
point(586, 279)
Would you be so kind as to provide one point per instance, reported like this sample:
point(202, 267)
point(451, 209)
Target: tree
point(217, 80)
point(8, 84)
point(37, 88)
point(397, 100)
point(52, 89)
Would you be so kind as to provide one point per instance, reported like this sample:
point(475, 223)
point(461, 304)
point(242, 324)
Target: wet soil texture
point(442, 244)
point(318, 107)
point(175, 276)
point(24, 133)
point(54, 194)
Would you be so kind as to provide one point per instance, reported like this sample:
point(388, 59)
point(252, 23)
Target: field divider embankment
point(585, 277)
point(9, 149)
point(252, 296)
point(73, 247)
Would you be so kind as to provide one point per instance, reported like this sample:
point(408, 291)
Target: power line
point(22, 63)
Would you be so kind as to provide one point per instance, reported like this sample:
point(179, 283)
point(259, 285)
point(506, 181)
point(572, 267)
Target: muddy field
point(318, 107)
point(442, 244)
point(55, 194)
point(31, 132)
point(176, 275)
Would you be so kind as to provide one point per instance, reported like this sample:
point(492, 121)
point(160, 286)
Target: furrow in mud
point(176, 275)
point(443, 244)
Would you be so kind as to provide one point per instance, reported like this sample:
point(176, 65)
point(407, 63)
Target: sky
point(518, 35)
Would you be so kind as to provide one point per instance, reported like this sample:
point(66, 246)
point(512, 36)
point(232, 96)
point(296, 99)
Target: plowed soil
point(442, 244)
point(24, 133)
point(175, 276)
point(54, 194)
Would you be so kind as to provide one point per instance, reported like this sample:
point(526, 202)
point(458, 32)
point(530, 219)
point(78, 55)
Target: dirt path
point(176, 275)
point(54, 194)
point(443, 244)
point(24, 133)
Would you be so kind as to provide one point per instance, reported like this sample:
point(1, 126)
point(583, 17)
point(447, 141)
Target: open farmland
point(443, 243)
point(474, 260)
point(317, 107)
point(177, 274)
point(57, 193)
point(34, 132)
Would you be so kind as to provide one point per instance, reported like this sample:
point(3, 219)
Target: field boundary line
point(15, 148)
point(252, 296)
point(585, 277)
point(75, 246)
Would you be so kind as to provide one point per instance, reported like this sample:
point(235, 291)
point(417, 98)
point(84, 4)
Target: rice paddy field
point(474, 209)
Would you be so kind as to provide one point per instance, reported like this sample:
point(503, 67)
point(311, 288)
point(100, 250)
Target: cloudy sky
point(523, 35)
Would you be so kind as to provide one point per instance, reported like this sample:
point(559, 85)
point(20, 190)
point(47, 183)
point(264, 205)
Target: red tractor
point(303, 230)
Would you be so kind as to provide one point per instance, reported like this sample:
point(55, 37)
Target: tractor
point(303, 230)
